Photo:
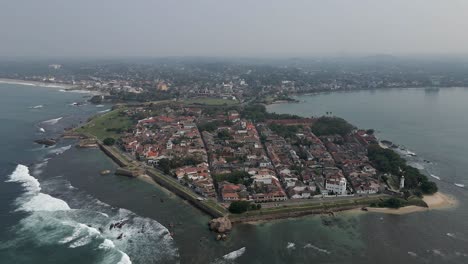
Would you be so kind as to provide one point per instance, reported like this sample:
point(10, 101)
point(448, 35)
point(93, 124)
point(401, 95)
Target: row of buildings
point(225, 154)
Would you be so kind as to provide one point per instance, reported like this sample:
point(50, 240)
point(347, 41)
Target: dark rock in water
point(120, 236)
point(97, 99)
point(220, 225)
point(101, 230)
point(327, 221)
point(46, 141)
point(386, 142)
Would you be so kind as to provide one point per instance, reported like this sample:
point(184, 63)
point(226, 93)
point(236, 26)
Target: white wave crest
point(460, 185)
point(435, 176)
point(317, 248)
point(437, 252)
point(235, 254)
point(73, 236)
point(100, 105)
point(37, 107)
point(125, 259)
point(21, 175)
point(107, 244)
point(39, 167)
point(60, 150)
point(33, 199)
point(51, 221)
point(104, 111)
point(43, 202)
point(412, 254)
point(52, 121)
point(291, 245)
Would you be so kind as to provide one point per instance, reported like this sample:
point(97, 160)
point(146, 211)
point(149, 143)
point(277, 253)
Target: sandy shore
point(35, 83)
point(59, 86)
point(435, 201)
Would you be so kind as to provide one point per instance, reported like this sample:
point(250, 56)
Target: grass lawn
point(211, 101)
point(104, 126)
point(325, 205)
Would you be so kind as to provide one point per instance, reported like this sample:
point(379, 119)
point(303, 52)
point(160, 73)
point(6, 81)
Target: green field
point(105, 125)
point(325, 205)
point(210, 101)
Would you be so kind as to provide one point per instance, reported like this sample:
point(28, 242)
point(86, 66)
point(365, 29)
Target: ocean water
point(56, 207)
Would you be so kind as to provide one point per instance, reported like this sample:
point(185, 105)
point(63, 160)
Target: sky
point(121, 28)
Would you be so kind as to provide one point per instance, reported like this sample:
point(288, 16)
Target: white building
point(336, 185)
point(265, 179)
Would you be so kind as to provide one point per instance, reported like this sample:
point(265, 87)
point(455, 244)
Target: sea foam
point(33, 199)
point(21, 175)
point(235, 254)
point(52, 121)
point(60, 150)
point(43, 202)
point(317, 248)
point(291, 245)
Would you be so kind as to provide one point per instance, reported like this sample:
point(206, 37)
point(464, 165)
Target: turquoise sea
point(56, 207)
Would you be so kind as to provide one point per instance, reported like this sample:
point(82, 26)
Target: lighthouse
point(402, 182)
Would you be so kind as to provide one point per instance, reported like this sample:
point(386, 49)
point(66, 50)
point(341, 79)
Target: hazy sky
point(231, 28)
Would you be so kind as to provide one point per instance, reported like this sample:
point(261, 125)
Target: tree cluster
point(258, 113)
point(239, 207)
point(327, 125)
point(235, 177)
point(387, 161)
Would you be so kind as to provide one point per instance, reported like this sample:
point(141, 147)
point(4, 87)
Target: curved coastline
point(36, 83)
point(437, 201)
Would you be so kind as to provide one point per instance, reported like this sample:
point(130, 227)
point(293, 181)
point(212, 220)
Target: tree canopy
point(259, 113)
point(327, 125)
point(387, 161)
point(235, 177)
point(108, 141)
point(238, 207)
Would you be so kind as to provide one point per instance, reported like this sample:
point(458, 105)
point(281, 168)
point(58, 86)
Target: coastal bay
point(363, 237)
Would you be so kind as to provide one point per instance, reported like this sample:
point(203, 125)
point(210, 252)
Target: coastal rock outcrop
point(46, 142)
point(220, 225)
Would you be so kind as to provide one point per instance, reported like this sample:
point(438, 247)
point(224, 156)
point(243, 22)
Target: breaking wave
point(460, 185)
point(291, 245)
point(317, 248)
point(235, 254)
point(59, 150)
point(36, 107)
point(52, 121)
point(435, 177)
point(52, 222)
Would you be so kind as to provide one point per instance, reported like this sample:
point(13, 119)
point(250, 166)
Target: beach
point(36, 83)
point(436, 201)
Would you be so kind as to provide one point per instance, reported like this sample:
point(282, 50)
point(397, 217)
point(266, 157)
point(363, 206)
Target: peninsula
point(241, 163)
